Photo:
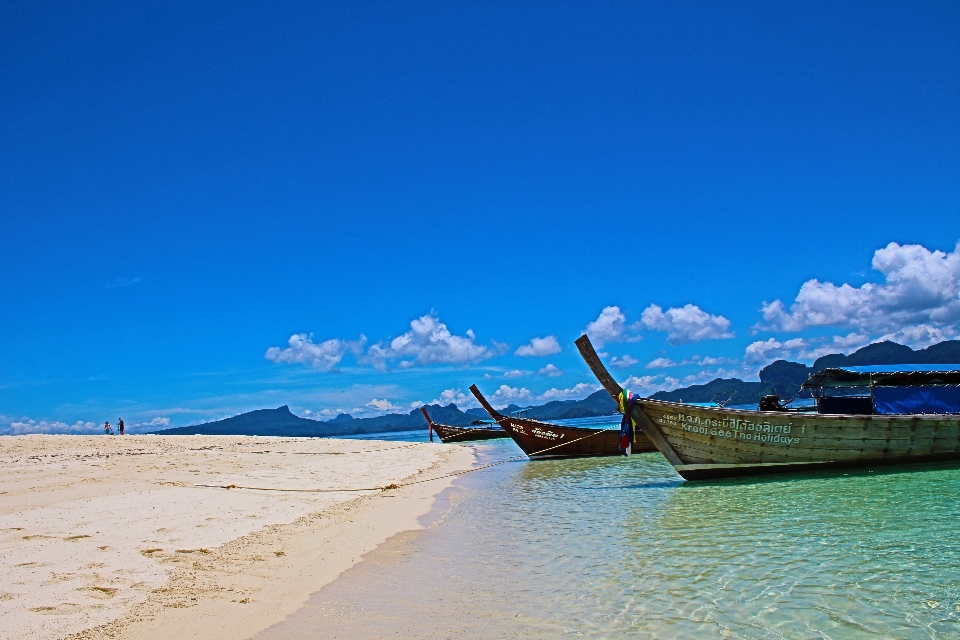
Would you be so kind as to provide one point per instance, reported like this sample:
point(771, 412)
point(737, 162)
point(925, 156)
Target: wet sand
point(108, 537)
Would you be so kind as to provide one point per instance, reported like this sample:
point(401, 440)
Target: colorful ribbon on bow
point(628, 426)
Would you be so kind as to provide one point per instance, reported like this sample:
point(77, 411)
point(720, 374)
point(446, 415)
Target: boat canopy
point(892, 389)
point(890, 375)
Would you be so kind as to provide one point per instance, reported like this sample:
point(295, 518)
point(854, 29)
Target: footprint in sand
point(100, 593)
point(63, 609)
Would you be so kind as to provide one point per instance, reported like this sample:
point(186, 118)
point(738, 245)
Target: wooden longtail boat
point(545, 440)
point(707, 442)
point(449, 433)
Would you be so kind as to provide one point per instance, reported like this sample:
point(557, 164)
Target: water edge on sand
point(606, 546)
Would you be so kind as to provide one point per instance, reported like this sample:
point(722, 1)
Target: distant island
point(781, 377)
point(784, 378)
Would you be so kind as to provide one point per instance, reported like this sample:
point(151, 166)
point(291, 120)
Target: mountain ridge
point(781, 377)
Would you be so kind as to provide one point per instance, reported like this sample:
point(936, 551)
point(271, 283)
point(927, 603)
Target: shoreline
point(225, 563)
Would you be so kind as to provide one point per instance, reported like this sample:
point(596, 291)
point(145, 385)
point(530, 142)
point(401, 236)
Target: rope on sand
point(452, 474)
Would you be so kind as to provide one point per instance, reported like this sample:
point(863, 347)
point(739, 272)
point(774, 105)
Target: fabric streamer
point(628, 426)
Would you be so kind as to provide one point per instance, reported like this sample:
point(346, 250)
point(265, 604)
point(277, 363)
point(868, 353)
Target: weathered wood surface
point(711, 442)
point(449, 433)
point(545, 440)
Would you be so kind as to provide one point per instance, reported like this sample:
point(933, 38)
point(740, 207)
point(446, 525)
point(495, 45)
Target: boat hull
point(543, 440)
point(448, 433)
point(716, 442)
point(713, 442)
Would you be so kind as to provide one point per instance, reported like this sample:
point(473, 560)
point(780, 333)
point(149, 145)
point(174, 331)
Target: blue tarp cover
point(907, 400)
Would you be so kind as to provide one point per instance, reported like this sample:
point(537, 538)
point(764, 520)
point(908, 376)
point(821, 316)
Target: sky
point(208, 208)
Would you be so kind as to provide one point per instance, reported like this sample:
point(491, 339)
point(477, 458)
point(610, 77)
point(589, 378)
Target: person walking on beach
point(120, 425)
point(107, 431)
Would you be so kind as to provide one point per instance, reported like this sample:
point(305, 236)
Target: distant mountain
point(781, 377)
point(281, 422)
point(784, 378)
point(886, 352)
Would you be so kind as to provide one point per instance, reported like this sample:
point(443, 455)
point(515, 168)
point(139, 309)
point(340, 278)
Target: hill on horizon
point(282, 422)
point(784, 377)
point(781, 377)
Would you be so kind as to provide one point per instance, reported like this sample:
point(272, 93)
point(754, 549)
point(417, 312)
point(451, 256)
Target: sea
point(623, 547)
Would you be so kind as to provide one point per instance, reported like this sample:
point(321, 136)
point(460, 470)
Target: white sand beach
point(109, 537)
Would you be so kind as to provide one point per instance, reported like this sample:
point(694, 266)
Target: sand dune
point(111, 537)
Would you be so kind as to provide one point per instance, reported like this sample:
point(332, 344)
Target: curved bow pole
point(590, 356)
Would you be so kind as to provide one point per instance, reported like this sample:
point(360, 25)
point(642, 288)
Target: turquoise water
point(607, 547)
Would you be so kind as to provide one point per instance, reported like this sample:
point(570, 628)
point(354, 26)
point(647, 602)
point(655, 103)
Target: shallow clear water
point(610, 546)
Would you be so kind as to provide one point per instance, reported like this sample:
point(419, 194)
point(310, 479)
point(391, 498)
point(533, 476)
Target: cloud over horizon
point(540, 347)
point(324, 356)
point(611, 326)
point(918, 301)
point(688, 323)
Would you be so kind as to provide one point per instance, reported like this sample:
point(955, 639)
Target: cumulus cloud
point(611, 326)
point(688, 323)
point(551, 371)
point(576, 392)
point(662, 363)
point(507, 394)
point(25, 426)
point(155, 424)
point(428, 341)
point(700, 361)
point(324, 356)
point(921, 336)
point(920, 294)
point(623, 362)
point(763, 352)
point(516, 373)
point(520, 395)
point(648, 385)
point(709, 361)
point(540, 347)
point(457, 397)
point(382, 406)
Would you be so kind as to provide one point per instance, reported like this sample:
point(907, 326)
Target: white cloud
point(611, 326)
point(457, 397)
point(324, 356)
point(920, 293)
point(662, 363)
point(416, 405)
point(685, 324)
point(622, 362)
point(763, 352)
point(428, 342)
point(921, 336)
point(551, 371)
point(25, 426)
point(700, 361)
point(156, 424)
point(516, 373)
point(576, 392)
point(382, 406)
point(648, 385)
point(540, 347)
point(709, 361)
point(506, 394)
point(519, 395)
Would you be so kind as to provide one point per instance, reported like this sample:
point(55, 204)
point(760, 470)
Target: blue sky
point(186, 186)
